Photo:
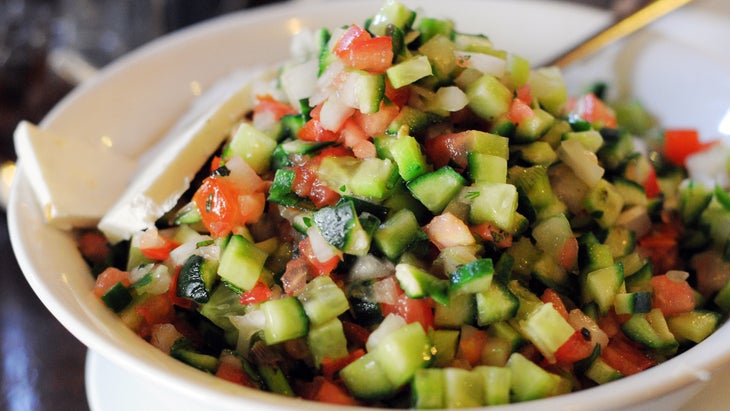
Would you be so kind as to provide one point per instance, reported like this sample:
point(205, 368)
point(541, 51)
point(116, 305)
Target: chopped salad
point(413, 217)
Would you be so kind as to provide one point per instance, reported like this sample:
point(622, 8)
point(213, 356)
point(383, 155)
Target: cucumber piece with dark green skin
point(117, 297)
point(436, 188)
point(472, 277)
point(495, 304)
point(341, 227)
point(196, 279)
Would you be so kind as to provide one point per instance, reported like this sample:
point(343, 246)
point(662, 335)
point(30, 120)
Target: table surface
point(42, 364)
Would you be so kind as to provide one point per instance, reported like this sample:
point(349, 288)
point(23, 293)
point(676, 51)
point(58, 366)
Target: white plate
point(135, 99)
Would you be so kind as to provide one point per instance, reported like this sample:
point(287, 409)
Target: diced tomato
point(662, 247)
point(651, 184)
point(319, 267)
point(267, 104)
point(575, 349)
point(681, 143)
point(258, 294)
point(625, 358)
point(519, 111)
point(493, 234)
point(551, 296)
point(352, 35)
point(412, 309)
point(230, 371)
point(312, 130)
point(524, 94)
point(324, 390)
point(217, 200)
point(330, 367)
point(375, 124)
point(373, 55)
point(471, 344)
point(94, 246)
point(215, 163)
point(447, 148)
point(446, 230)
point(568, 256)
point(109, 278)
point(672, 296)
point(156, 310)
point(610, 324)
point(172, 293)
point(161, 249)
point(251, 206)
point(356, 334)
point(592, 109)
point(397, 96)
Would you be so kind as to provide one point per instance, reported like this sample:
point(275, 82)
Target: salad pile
point(411, 217)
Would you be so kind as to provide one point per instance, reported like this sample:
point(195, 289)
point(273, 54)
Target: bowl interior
point(134, 100)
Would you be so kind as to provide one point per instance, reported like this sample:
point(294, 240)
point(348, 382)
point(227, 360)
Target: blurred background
point(46, 48)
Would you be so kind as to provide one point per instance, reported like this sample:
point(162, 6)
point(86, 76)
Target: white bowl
point(135, 99)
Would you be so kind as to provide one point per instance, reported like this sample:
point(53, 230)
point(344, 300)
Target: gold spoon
point(622, 28)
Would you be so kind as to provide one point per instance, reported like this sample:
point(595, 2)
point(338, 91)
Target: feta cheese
point(167, 172)
point(74, 182)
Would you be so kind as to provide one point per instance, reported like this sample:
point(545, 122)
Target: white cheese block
point(74, 182)
point(167, 171)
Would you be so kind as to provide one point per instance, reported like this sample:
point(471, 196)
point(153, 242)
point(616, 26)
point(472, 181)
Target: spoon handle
point(622, 28)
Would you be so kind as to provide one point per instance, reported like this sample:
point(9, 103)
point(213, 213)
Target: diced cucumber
point(409, 71)
point(695, 325)
point(117, 297)
point(253, 145)
point(535, 153)
point(532, 128)
point(365, 378)
point(402, 352)
point(547, 329)
point(439, 50)
point(592, 255)
point(445, 343)
point(399, 231)
point(632, 192)
point(694, 198)
point(618, 146)
point(392, 12)
point(495, 304)
point(409, 120)
point(196, 278)
point(533, 183)
point(604, 203)
point(602, 373)
point(436, 188)
point(428, 389)
point(487, 168)
point(503, 330)
point(473, 277)
point(285, 320)
point(464, 389)
point(406, 152)
point(494, 203)
point(622, 242)
point(241, 263)
point(497, 382)
point(323, 300)
point(183, 351)
point(530, 381)
point(654, 335)
point(327, 340)
point(281, 191)
point(418, 283)
point(459, 310)
point(548, 87)
point(632, 302)
point(603, 284)
point(341, 228)
point(488, 97)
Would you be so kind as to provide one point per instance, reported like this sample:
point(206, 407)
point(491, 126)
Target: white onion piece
point(385, 291)
point(327, 83)
point(389, 324)
point(163, 336)
point(247, 325)
point(578, 320)
point(322, 250)
point(635, 219)
point(334, 113)
point(451, 98)
point(677, 275)
point(485, 63)
point(244, 177)
point(181, 253)
point(299, 81)
point(369, 267)
point(161, 278)
point(583, 162)
point(710, 166)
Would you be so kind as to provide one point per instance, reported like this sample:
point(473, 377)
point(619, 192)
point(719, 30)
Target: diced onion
point(485, 63)
point(370, 267)
point(322, 250)
point(161, 278)
point(635, 219)
point(451, 98)
point(334, 113)
point(582, 161)
point(163, 336)
point(247, 325)
point(677, 275)
point(299, 81)
point(579, 320)
point(385, 291)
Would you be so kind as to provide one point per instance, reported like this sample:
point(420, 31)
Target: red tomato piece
point(681, 143)
point(651, 184)
point(575, 349)
point(109, 278)
point(319, 267)
point(397, 96)
point(672, 296)
point(375, 124)
point(625, 358)
point(330, 367)
point(568, 257)
point(160, 251)
point(258, 294)
point(661, 246)
point(93, 246)
point(551, 296)
point(217, 200)
point(412, 310)
point(267, 104)
point(519, 111)
point(447, 148)
point(493, 234)
point(471, 344)
point(373, 55)
point(312, 130)
point(234, 373)
point(326, 391)
point(525, 94)
point(352, 35)
point(156, 310)
point(356, 334)
point(592, 109)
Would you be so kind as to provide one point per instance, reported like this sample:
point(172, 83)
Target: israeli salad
point(412, 217)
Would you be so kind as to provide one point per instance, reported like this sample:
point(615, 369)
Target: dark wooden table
point(42, 364)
